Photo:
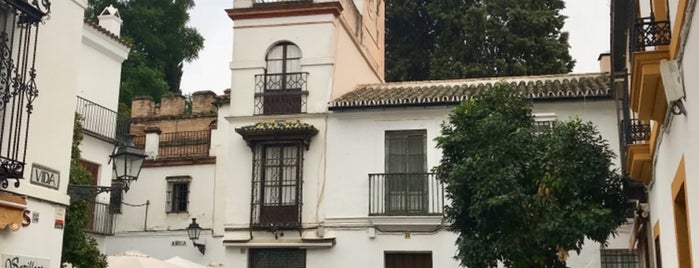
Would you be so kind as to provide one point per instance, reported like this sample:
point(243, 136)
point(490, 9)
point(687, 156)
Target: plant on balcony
point(79, 248)
point(523, 198)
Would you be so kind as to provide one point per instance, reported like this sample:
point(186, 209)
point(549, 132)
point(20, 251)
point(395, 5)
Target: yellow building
point(655, 58)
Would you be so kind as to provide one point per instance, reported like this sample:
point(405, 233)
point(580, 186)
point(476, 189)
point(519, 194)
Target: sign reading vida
point(13, 261)
point(46, 177)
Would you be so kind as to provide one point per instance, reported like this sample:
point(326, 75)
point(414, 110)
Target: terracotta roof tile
point(108, 33)
point(545, 87)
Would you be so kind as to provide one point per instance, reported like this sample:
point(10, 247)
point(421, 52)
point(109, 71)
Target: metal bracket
point(84, 192)
point(200, 247)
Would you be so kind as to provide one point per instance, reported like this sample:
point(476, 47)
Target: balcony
point(404, 202)
point(638, 151)
point(101, 220)
point(280, 93)
point(649, 45)
point(184, 144)
point(405, 194)
point(101, 122)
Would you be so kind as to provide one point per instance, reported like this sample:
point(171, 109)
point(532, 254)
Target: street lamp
point(193, 231)
point(127, 163)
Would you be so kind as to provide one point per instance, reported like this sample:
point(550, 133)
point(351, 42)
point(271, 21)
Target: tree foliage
point(451, 39)
point(520, 197)
point(79, 248)
point(161, 41)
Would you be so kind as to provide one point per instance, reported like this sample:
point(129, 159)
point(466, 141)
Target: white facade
point(64, 63)
point(338, 148)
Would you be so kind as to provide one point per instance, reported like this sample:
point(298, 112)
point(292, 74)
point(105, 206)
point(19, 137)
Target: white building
point(655, 56)
point(72, 58)
point(302, 145)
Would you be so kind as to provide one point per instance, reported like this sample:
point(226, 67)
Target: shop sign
point(14, 261)
point(45, 176)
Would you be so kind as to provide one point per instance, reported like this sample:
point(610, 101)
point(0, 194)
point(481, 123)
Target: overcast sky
point(588, 25)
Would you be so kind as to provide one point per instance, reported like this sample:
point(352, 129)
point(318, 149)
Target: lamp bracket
point(200, 247)
point(84, 192)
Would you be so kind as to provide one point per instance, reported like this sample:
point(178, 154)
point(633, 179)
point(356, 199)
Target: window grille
point(277, 185)
point(619, 258)
point(278, 258)
point(177, 194)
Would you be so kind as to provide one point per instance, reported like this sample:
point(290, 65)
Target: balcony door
point(406, 172)
point(280, 185)
point(283, 80)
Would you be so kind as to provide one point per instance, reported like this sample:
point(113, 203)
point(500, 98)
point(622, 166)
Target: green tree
point(452, 39)
point(161, 41)
point(520, 197)
point(79, 248)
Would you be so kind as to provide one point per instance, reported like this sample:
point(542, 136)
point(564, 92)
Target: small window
point(278, 258)
point(543, 122)
point(177, 194)
point(408, 260)
point(619, 258)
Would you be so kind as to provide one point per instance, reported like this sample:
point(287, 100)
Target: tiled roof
point(107, 33)
point(439, 92)
point(277, 125)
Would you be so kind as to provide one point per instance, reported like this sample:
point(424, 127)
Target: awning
point(12, 208)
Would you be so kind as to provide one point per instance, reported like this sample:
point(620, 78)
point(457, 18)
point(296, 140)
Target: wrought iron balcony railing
point(405, 194)
point(638, 132)
point(101, 220)
point(102, 122)
point(283, 93)
point(184, 144)
point(647, 32)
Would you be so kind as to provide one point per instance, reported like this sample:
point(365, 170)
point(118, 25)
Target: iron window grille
point(276, 185)
point(619, 258)
point(19, 26)
point(277, 258)
point(101, 219)
point(177, 194)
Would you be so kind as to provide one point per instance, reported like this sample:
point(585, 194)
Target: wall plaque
point(23, 261)
point(45, 176)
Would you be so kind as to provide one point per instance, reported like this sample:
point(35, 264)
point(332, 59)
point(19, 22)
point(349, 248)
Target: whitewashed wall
point(678, 139)
point(50, 133)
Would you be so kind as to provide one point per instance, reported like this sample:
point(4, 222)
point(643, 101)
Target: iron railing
point(19, 28)
point(139, 142)
point(103, 123)
point(101, 220)
point(647, 32)
point(184, 144)
point(405, 194)
point(638, 132)
point(283, 93)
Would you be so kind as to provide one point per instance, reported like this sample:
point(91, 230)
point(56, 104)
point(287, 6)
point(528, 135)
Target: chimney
point(605, 64)
point(110, 19)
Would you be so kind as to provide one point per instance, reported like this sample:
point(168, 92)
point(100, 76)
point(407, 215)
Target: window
point(177, 194)
point(277, 185)
point(543, 122)
point(408, 260)
point(619, 258)
point(277, 258)
point(406, 172)
point(282, 88)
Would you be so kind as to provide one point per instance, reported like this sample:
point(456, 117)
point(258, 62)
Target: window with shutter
point(406, 172)
point(277, 258)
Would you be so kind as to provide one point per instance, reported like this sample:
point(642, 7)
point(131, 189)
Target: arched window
point(283, 89)
point(284, 58)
